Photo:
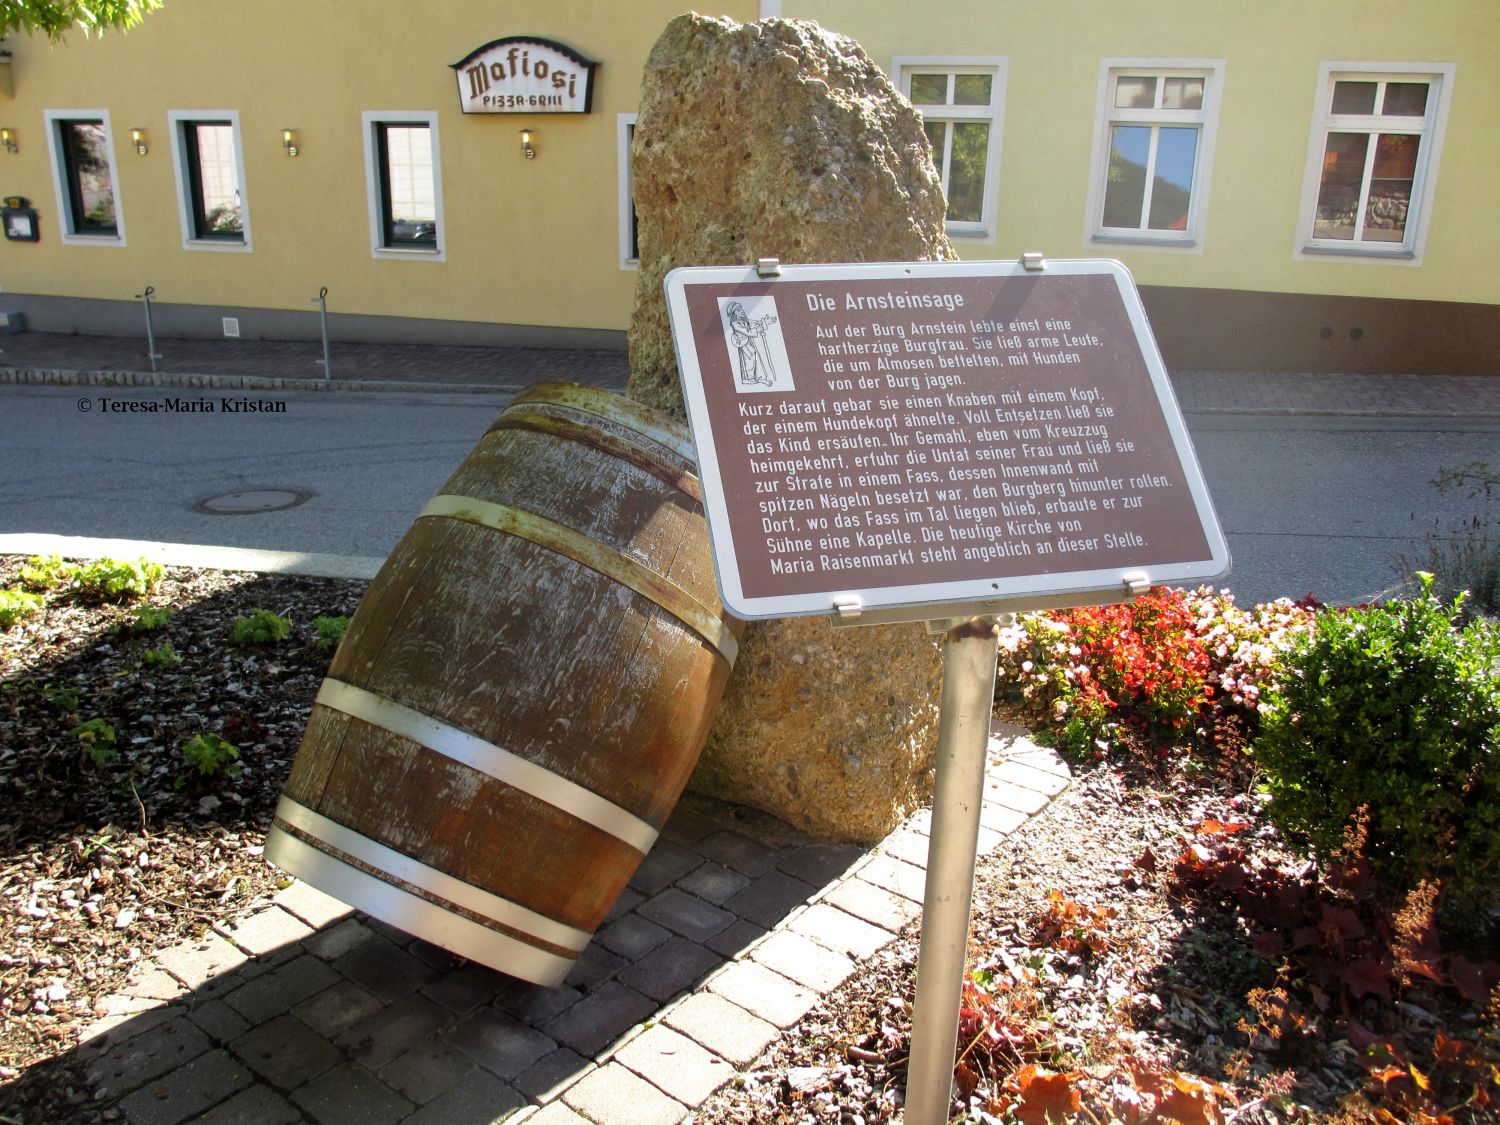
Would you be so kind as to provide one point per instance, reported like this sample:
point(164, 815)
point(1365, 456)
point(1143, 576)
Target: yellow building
point(1294, 186)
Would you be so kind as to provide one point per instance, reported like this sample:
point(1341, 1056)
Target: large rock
point(779, 139)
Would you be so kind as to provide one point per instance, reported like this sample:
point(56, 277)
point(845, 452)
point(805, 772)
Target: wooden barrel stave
point(475, 640)
point(528, 706)
point(630, 512)
point(454, 625)
point(370, 763)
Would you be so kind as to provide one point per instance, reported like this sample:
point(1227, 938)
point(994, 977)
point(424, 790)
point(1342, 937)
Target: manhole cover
point(248, 501)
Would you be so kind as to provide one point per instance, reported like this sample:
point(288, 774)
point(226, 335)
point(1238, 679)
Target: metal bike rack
point(150, 331)
point(326, 361)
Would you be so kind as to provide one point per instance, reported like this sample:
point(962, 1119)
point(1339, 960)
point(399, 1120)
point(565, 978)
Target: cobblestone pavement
point(280, 365)
point(730, 931)
point(1220, 392)
point(34, 357)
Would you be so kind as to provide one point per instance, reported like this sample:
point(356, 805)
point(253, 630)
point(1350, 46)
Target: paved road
point(1320, 504)
point(370, 462)
point(1326, 505)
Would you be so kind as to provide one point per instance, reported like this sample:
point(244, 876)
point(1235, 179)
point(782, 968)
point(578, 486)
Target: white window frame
point(1409, 251)
point(370, 120)
point(624, 128)
point(902, 69)
point(176, 118)
point(66, 221)
point(1106, 116)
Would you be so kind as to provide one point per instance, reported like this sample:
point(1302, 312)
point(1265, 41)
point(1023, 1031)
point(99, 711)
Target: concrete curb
point(191, 554)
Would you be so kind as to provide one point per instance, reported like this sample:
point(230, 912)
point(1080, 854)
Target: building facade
point(1294, 187)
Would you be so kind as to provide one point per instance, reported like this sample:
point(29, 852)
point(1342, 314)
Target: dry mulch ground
point(1117, 975)
point(1116, 981)
point(1089, 964)
point(103, 862)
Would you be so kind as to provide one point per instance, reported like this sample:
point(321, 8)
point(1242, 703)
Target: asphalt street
point(77, 462)
point(1329, 505)
point(1309, 503)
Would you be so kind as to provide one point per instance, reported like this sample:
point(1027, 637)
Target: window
point(630, 249)
point(961, 102)
point(210, 180)
point(408, 204)
point(1373, 158)
point(405, 188)
point(1153, 149)
point(83, 171)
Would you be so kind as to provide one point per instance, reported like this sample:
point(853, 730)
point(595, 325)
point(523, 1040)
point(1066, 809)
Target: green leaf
point(54, 18)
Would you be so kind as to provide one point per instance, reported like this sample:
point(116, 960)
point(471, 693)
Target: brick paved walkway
point(732, 929)
point(278, 365)
point(1218, 392)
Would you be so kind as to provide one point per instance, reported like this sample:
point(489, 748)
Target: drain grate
point(250, 501)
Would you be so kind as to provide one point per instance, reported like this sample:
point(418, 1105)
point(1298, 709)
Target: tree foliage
point(54, 18)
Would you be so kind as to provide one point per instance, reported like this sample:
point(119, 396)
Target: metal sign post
point(947, 442)
point(969, 659)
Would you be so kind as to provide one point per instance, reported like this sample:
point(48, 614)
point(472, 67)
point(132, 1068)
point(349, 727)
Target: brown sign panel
point(929, 434)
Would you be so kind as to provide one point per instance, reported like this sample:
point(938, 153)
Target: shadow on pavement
point(344, 1018)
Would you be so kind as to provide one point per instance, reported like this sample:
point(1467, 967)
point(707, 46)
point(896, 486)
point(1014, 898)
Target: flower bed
point(1173, 664)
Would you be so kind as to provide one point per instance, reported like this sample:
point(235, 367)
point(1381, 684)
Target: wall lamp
point(527, 150)
point(8, 139)
point(289, 142)
point(138, 138)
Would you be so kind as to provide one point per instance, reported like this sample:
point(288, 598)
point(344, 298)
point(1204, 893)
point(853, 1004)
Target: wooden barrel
point(523, 691)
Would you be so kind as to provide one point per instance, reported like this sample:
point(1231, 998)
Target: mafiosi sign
point(523, 75)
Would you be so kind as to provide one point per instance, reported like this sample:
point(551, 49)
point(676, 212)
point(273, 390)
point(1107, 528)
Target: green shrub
point(262, 627)
point(43, 573)
point(17, 605)
point(1469, 563)
point(208, 755)
point(97, 737)
point(113, 580)
point(1391, 716)
point(65, 699)
point(147, 619)
point(1465, 557)
point(162, 656)
point(331, 631)
point(18, 689)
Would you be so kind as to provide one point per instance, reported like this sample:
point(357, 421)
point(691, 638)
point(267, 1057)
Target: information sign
point(920, 435)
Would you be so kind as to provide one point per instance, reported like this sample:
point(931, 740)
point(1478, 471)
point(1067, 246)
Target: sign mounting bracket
point(848, 609)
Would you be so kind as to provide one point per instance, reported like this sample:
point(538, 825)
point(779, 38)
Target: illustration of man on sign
point(757, 351)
